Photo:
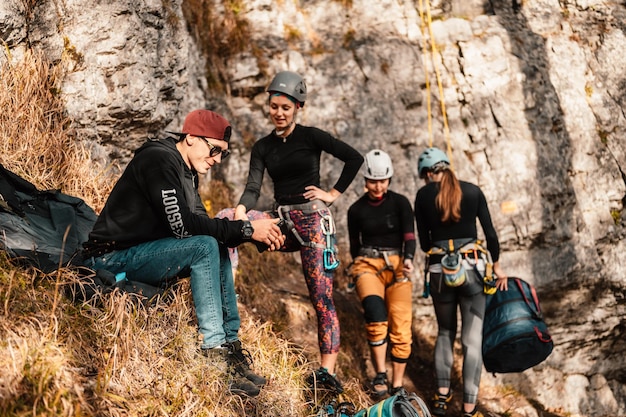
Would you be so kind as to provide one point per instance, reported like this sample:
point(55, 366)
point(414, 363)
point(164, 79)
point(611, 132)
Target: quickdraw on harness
point(329, 254)
point(470, 250)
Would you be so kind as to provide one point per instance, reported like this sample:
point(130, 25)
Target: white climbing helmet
point(378, 165)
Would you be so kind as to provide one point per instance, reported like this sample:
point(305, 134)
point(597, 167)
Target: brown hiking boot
point(241, 360)
point(238, 384)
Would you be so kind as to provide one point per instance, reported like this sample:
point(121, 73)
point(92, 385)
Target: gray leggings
point(445, 301)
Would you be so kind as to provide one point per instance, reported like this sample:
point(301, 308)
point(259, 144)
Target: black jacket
point(157, 197)
point(294, 163)
point(387, 223)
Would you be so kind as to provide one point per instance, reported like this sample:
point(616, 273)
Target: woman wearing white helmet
point(291, 155)
point(382, 244)
point(446, 208)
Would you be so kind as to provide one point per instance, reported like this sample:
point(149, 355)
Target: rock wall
point(534, 100)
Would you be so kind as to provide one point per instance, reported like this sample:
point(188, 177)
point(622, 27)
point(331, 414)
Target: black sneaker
point(238, 384)
point(320, 378)
point(440, 403)
point(241, 360)
point(380, 384)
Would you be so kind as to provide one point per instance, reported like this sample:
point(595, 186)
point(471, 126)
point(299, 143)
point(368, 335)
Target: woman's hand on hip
point(315, 193)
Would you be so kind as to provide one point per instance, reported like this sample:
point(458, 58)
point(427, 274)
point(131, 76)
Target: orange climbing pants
point(386, 296)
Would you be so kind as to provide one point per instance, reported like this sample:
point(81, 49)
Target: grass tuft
point(37, 141)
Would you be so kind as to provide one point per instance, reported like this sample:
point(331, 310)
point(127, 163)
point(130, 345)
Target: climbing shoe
point(440, 403)
point(380, 384)
point(320, 378)
point(241, 360)
point(238, 384)
point(474, 413)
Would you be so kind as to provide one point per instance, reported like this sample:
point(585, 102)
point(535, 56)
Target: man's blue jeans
point(208, 264)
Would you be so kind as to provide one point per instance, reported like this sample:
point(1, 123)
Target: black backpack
point(515, 336)
point(91, 285)
point(44, 229)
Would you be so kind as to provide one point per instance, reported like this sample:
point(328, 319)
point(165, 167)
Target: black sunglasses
point(215, 150)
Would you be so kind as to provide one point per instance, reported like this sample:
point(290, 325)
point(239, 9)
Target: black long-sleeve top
point(386, 223)
point(430, 228)
point(294, 163)
point(157, 197)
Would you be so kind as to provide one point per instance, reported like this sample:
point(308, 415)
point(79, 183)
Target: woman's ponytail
point(448, 199)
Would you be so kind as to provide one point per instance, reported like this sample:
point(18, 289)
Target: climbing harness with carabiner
point(330, 254)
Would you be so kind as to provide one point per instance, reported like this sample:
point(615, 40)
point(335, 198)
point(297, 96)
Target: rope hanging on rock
point(426, 21)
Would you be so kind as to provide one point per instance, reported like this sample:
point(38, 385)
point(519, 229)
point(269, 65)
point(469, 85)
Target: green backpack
point(398, 405)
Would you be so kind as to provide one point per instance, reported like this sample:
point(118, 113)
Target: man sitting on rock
point(154, 228)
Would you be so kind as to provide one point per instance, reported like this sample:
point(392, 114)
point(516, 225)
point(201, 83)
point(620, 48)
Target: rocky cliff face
point(534, 100)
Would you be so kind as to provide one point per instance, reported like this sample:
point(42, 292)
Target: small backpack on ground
point(93, 284)
point(401, 404)
point(44, 229)
point(515, 336)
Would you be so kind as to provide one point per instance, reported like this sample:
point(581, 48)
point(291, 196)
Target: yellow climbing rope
point(426, 21)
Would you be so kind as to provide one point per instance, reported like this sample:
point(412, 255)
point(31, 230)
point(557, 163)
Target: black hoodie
point(157, 197)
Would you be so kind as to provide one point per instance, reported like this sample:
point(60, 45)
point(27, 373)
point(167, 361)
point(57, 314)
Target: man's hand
point(267, 231)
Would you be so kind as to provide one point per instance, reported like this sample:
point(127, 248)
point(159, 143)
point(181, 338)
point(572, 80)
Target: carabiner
point(330, 260)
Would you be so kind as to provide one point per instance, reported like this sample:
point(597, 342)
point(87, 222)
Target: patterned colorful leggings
point(319, 281)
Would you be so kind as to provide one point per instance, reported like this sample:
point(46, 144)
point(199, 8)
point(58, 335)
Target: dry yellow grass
point(115, 357)
point(37, 141)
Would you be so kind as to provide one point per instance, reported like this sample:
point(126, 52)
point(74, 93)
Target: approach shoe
point(380, 384)
point(238, 384)
point(474, 413)
point(241, 360)
point(440, 403)
point(320, 378)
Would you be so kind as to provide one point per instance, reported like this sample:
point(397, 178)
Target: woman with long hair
point(446, 210)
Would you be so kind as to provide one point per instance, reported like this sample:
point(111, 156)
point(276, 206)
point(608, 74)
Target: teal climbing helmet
point(430, 159)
